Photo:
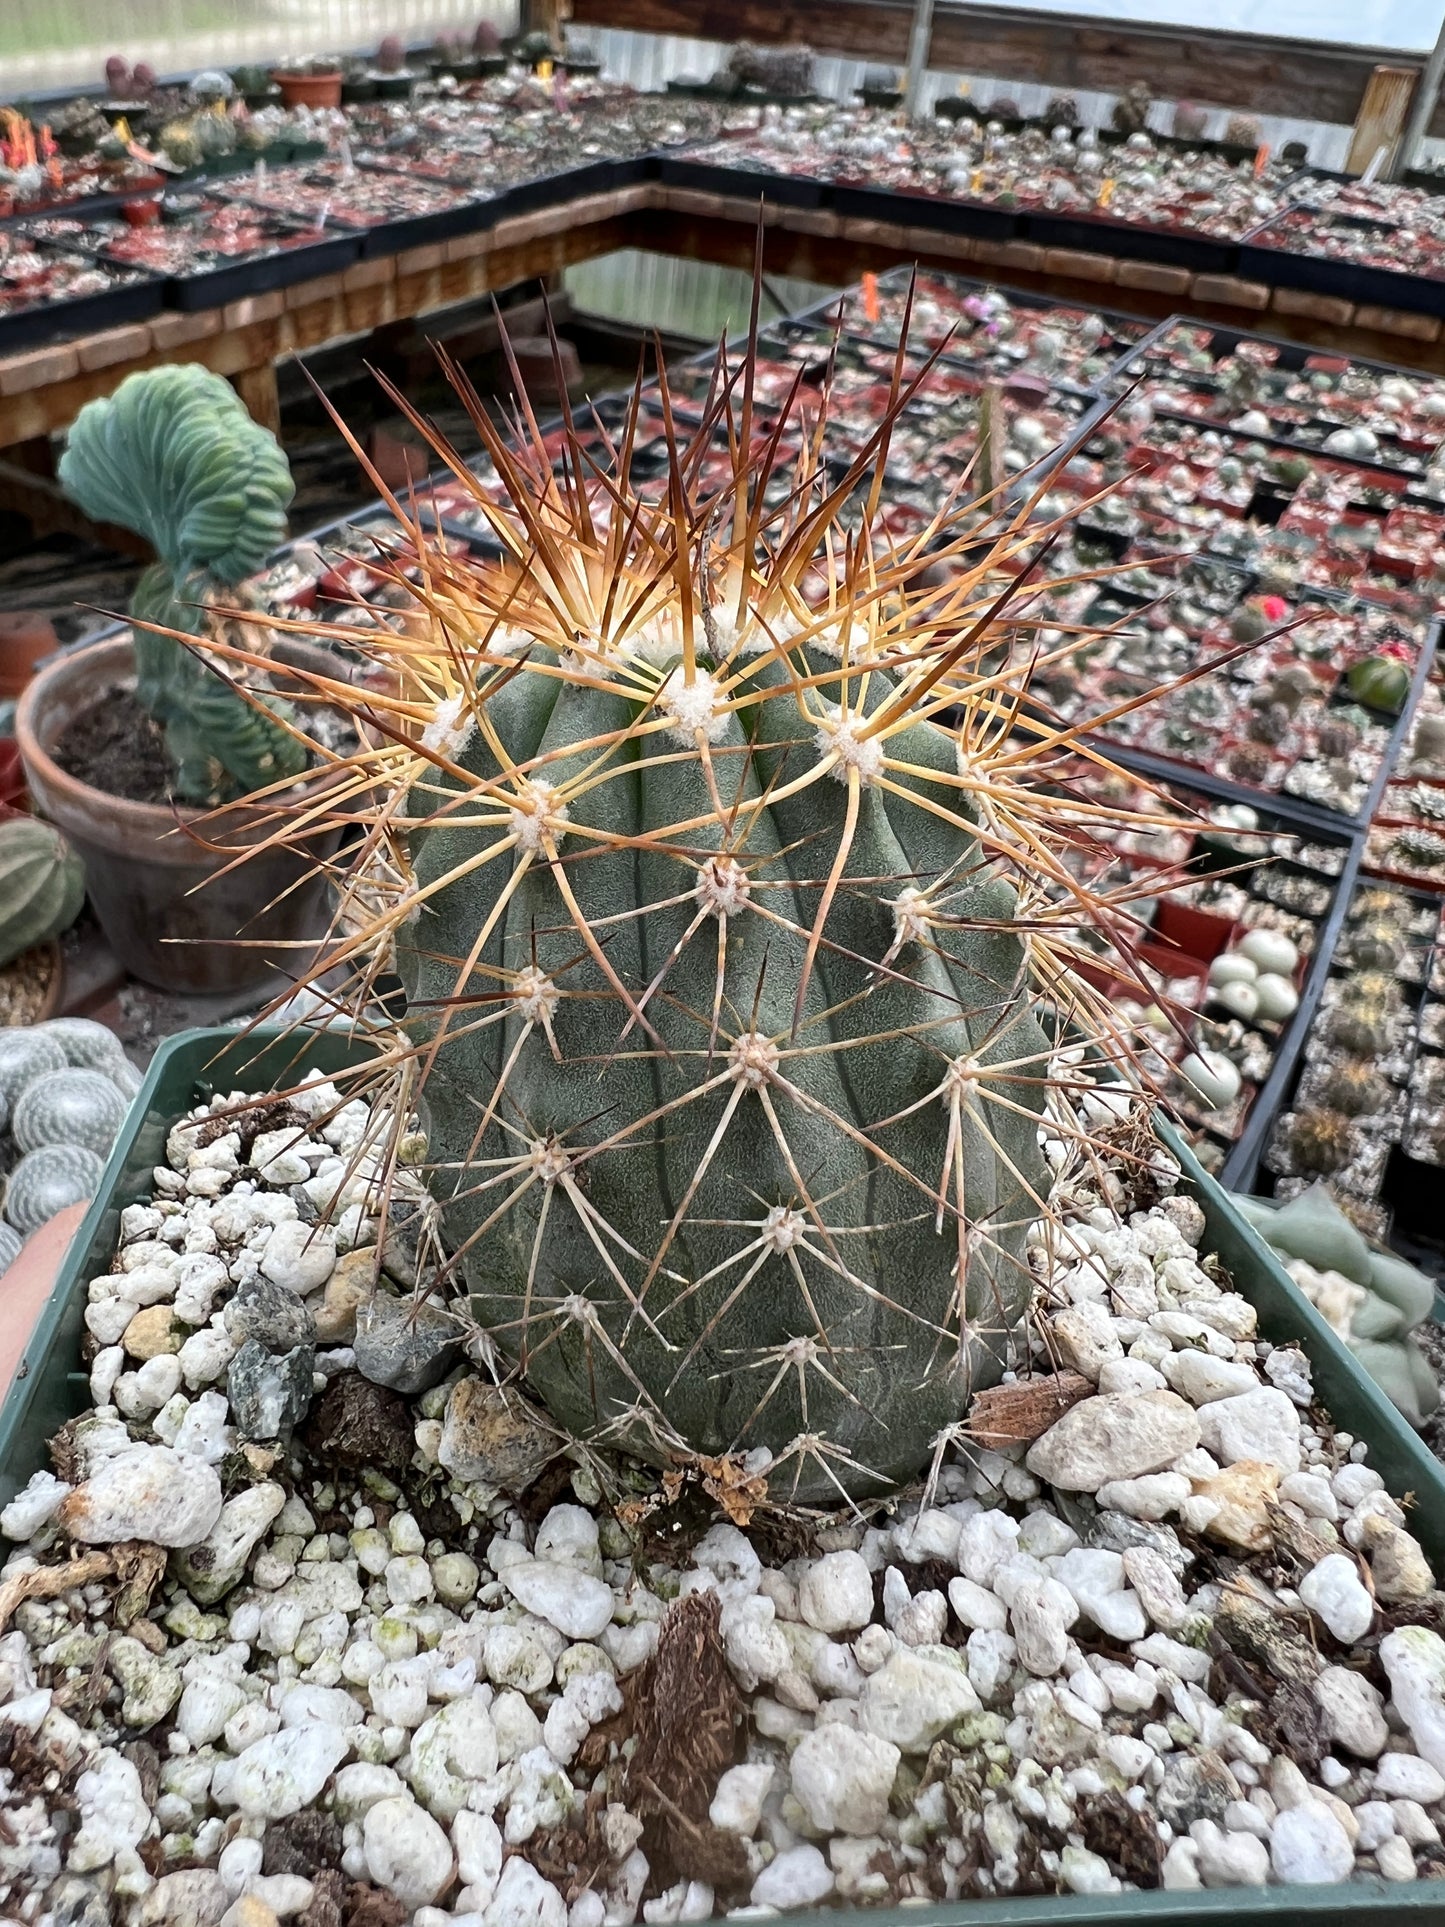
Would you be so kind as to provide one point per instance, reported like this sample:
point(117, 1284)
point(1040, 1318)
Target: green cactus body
point(722, 885)
point(173, 455)
point(733, 1234)
point(42, 885)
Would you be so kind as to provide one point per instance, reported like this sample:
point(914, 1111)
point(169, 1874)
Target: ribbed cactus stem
point(722, 884)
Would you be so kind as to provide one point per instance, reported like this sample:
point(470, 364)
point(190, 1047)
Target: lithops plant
point(713, 860)
point(1372, 1297)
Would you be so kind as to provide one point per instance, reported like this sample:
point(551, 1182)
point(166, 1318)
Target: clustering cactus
point(173, 455)
point(723, 889)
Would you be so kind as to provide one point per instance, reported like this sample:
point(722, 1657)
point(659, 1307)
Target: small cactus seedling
point(1321, 1141)
point(1354, 1088)
point(724, 872)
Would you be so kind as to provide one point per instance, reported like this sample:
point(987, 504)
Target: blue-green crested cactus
point(173, 455)
point(723, 889)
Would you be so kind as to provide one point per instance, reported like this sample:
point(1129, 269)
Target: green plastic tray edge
point(47, 1391)
point(49, 1387)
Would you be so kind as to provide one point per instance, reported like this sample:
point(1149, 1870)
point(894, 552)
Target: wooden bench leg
point(257, 389)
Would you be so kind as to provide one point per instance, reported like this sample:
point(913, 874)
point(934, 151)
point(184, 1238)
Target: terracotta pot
point(309, 90)
point(144, 872)
point(25, 636)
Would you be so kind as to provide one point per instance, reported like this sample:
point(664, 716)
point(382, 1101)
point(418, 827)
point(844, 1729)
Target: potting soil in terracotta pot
point(420, 1658)
point(97, 768)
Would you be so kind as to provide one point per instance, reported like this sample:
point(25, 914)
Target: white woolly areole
point(508, 640)
point(658, 640)
point(534, 995)
point(753, 1058)
point(830, 640)
point(451, 728)
point(693, 706)
point(722, 886)
point(959, 1079)
point(538, 810)
point(783, 1228)
point(548, 1160)
point(839, 737)
point(910, 909)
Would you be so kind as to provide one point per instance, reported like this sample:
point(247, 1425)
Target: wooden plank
point(1266, 73)
point(42, 392)
point(1381, 118)
point(257, 389)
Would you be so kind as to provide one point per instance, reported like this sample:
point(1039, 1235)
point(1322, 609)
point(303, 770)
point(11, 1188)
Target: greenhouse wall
point(62, 43)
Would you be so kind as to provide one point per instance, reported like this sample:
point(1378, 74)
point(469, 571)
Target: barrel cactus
point(42, 885)
point(173, 455)
point(723, 893)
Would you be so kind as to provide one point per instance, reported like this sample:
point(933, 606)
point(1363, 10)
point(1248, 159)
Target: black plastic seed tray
point(261, 273)
point(1094, 234)
point(49, 321)
point(1351, 281)
point(928, 210)
point(420, 230)
point(712, 177)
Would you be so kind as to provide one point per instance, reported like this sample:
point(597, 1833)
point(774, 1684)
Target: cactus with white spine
point(723, 891)
point(173, 455)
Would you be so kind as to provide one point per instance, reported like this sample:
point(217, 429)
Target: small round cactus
point(69, 1107)
point(88, 1045)
point(1375, 949)
point(1269, 726)
point(1355, 1088)
point(1250, 762)
point(1363, 1031)
point(10, 1242)
point(1420, 849)
point(1337, 740)
point(46, 1181)
point(1321, 1141)
point(26, 1054)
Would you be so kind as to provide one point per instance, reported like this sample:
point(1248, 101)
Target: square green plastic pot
point(50, 1383)
point(51, 1387)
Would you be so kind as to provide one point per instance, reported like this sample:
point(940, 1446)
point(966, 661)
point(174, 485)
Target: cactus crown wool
point(723, 876)
point(173, 455)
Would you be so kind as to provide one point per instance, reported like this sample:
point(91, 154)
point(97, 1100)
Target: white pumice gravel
point(1182, 1637)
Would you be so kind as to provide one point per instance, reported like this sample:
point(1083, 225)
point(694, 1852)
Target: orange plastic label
point(1106, 192)
point(1261, 158)
point(870, 297)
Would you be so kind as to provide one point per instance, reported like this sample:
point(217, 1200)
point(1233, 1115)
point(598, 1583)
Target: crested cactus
point(723, 893)
point(173, 455)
